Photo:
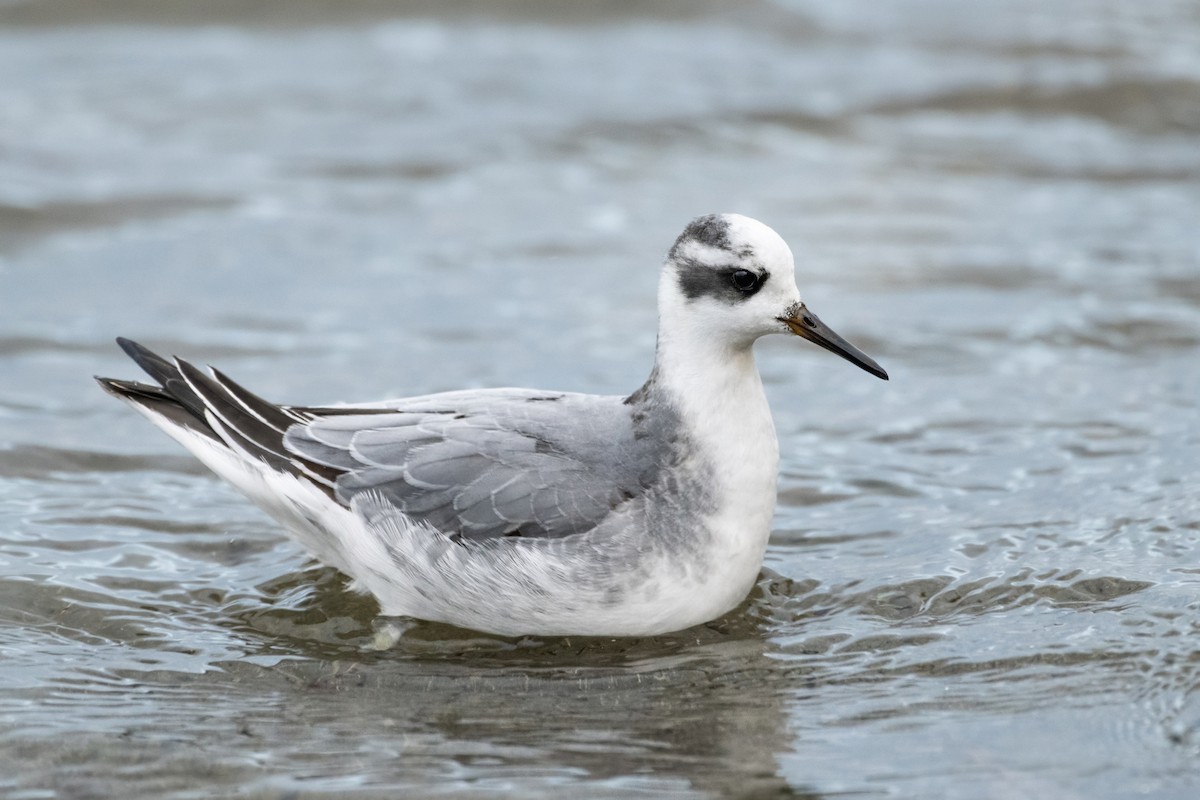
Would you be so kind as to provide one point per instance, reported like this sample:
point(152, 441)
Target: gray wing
point(487, 463)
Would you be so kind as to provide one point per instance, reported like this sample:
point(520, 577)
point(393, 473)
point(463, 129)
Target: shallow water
point(983, 579)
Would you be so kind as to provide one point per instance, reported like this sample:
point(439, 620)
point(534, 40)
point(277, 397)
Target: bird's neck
point(719, 396)
point(723, 416)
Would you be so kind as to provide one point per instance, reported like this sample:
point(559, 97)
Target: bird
point(520, 512)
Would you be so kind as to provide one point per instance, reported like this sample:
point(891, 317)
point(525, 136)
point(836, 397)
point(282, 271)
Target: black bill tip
point(807, 325)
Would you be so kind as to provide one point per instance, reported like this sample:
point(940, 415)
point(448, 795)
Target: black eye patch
point(727, 284)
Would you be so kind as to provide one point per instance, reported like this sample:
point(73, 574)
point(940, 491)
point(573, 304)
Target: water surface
point(983, 579)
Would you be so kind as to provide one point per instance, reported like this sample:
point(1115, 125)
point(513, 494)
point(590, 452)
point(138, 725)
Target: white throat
point(720, 397)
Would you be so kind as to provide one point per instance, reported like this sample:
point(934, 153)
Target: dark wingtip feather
point(167, 373)
point(121, 387)
point(187, 396)
point(131, 348)
point(158, 400)
point(155, 365)
point(110, 385)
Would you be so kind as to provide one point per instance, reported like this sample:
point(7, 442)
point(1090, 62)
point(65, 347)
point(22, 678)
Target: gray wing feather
point(487, 464)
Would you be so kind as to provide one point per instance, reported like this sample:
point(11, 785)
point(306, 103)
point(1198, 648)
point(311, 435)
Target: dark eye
point(744, 280)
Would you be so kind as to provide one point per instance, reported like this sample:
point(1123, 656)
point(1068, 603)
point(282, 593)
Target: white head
point(731, 279)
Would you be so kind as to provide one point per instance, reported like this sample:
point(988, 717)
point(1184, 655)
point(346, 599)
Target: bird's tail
point(210, 405)
point(239, 436)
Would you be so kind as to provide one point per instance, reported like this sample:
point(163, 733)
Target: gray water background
point(983, 580)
